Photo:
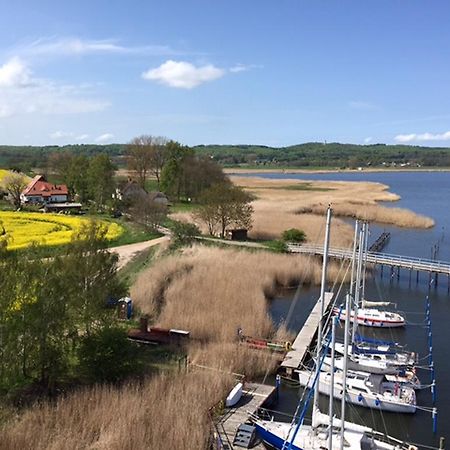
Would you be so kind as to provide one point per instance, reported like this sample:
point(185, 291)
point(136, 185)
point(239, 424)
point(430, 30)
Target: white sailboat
point(407, 378)
point(325, 431)
point(372, 317)
point(364, 314)
point(380, 363)
point(367, 390)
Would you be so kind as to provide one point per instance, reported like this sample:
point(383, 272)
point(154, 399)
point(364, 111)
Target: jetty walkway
point(305, 339)
point(383, 259)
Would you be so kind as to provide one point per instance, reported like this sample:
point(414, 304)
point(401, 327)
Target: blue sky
point(235, 72)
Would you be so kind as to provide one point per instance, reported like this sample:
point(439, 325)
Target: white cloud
point(367, 140)
point(106, 137)
point(361, 105)
point(20, 93)
point(243, 67)
point(68, 135)
point(60, 135)
point(413, 137)
point(76, 46)
point(183, 75)
point(14, 73)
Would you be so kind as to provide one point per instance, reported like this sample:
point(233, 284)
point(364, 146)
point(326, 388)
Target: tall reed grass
point(212, 291)
point(374, 213)
point(164, 412)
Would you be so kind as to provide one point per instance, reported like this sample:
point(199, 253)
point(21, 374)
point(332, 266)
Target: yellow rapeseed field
point(23, 228)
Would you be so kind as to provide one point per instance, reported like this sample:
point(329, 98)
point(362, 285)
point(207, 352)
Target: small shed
point(237, 234)
point(125, 308)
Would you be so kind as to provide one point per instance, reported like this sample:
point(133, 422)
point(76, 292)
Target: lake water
point(426, 193)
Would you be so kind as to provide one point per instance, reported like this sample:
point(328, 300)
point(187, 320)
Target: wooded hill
point(314, 154)
point(310, 154)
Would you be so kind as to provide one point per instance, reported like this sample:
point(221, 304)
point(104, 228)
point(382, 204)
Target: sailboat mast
point(366, 246)
point(330, 407)
point(344, 371)
point(322, 301)
point(355, 245)
point(358, 282)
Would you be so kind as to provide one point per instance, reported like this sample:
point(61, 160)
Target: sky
point(263, 72)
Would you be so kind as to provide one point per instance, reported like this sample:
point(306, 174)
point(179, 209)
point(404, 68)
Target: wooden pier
point(305, 338)
point(254, 396)
point(383, 259)
point(381, 242)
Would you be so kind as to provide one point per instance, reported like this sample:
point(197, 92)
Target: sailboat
point(365, 314)
point(407, 377)
point(378, 362)
point(325, 431)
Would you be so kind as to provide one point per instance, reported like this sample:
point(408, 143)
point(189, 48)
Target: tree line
point(23, 158)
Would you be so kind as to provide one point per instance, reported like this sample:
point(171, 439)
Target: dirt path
point(128, 252)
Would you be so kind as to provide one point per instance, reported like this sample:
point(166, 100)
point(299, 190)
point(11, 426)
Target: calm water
point(429, 194)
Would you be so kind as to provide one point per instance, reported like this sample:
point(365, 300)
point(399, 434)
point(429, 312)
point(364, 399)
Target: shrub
point(294, 235)
point(278, 246)
point(184, 233)
point(107, 355)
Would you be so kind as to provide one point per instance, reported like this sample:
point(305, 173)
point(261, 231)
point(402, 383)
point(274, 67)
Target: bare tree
point(147, 212)
point(146, 155)
point(14, 184)
point(224, 205)
point(158, 157)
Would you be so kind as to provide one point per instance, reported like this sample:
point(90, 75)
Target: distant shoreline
point(240, 170)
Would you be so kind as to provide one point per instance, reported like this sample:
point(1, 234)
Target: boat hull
point(366, 400)
point(271, 438)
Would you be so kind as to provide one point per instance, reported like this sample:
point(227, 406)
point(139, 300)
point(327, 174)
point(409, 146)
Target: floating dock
point(254, 396)
point(305, 338)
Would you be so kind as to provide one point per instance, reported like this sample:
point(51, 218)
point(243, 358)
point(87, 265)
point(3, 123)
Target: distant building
point(132, 192)
point(237, 234)
point(40, 191)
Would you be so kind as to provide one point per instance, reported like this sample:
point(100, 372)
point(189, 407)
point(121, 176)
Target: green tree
point(184, 233)
point(100, 179)
point(294, 235)
point(173, 170)
point(224, 205)
point(107, 355)
point(90, 274)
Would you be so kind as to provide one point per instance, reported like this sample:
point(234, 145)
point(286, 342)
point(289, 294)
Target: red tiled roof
point(39, 187)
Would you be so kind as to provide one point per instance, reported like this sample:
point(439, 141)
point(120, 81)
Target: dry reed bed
point(212, 291)
point(374, 213)
point(164, 412)
point(278, 202)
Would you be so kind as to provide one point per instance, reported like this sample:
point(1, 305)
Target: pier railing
point(385, 259)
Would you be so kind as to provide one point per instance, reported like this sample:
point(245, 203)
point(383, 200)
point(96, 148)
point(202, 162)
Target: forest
point(309, 155)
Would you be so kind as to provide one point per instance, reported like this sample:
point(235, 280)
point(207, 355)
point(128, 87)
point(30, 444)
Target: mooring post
point(442, 443)
point(435, 280)
point(410, 272)
point(381, 270)
point(417, 278)
point(398, 273)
